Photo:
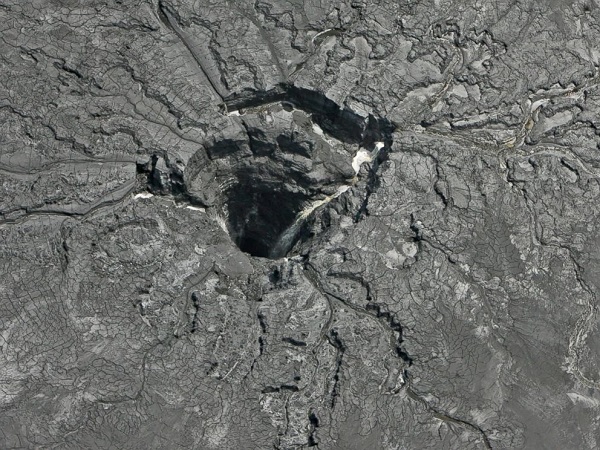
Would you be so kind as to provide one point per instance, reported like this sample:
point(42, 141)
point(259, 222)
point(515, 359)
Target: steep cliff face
point(286, 154)
point(340, 225)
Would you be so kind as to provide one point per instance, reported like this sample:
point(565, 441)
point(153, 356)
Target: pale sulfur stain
point(321, 33)
point(362, 156)
point(143, 195)
point(307, 211)
point(317, 129)
point(319, 132)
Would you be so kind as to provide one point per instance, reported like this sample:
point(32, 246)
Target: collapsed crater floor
point(289, 152)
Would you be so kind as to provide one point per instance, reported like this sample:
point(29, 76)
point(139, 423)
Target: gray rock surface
point(345, 225)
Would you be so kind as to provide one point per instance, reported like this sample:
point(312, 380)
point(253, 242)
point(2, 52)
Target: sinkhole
point(288, 152)
point(260, 221)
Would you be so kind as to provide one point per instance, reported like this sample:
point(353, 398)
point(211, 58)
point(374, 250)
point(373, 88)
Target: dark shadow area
point(264, 201)
point(340, 123)
point(258, 218)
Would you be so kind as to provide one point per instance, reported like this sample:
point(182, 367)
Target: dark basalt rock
point(340, 225)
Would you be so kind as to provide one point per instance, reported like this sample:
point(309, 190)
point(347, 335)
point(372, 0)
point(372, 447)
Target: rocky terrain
point(343, 225)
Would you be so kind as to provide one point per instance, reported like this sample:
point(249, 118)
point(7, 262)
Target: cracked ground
point(293, 224)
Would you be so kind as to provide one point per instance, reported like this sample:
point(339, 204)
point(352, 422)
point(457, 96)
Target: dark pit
point(293, 147)
point(259, 219)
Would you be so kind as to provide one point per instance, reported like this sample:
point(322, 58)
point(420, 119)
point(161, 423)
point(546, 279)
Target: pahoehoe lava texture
point(342, 225)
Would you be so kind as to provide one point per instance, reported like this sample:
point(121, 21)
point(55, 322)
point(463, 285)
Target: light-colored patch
point(557, 120)
point(583, 400)
point(346, 222)
point(221, 222)
point(459, 91)
point(317, 129)
point(195, 208)
point(482, 331)
point(321, 33)
point(393, 259)
point(410, 249)
point(538, 103)
point(319, 132)
point(362, 156)
point(216, 434)
point(143, 195)
point(211, 283)
point(482, 415)
point(461, 290)
point(309, 209)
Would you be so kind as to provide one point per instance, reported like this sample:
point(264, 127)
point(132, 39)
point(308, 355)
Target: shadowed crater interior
point(258, 220)
point(287, 152)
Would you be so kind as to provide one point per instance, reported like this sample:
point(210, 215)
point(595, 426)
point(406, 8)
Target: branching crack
point(439, 414)
point(371, 309)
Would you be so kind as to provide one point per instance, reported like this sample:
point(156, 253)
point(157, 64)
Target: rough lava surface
point(285, 224)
